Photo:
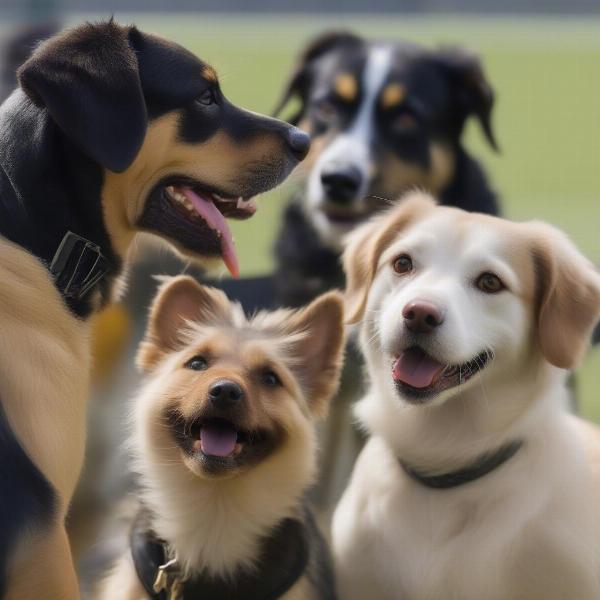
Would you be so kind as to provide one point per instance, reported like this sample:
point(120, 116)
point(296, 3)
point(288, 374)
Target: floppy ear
point(319, 349)
point(179, 300)
point(365, 245)
point(170, 75)
point(568, 297)
point(300, 81)
point(474, 94)
point(87, 79)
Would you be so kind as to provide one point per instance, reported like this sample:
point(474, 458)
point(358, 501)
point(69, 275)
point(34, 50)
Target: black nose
point(341, 182)
point(422, 317)
point(299, 142)
point(225, 394)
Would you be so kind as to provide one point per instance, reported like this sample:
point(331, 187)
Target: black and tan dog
point(112, 132)
point(224, 441)
point(385, 118)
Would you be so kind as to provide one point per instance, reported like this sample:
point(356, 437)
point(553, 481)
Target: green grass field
point(547, 76)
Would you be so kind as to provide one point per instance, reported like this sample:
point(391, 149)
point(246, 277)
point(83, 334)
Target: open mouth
point(194, 217)
point(220, 444)
point(419, 376)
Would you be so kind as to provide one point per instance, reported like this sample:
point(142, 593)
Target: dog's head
point(227, 395)
point(177, 158)
point(449, 299)
point(384, 118)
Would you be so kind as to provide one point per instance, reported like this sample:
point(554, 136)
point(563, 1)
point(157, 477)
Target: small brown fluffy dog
point(225, 446)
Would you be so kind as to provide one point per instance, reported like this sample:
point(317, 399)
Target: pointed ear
point(474, 95)
point(87, 79)
point(319, 350)
point(365, 245)
point(568, 298)
point(300, 82)
point(179, 301)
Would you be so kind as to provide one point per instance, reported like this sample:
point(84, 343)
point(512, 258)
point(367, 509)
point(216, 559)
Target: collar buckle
point(78, 265)
point(167, 580)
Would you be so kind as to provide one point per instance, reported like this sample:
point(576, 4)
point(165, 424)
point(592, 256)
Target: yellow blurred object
point(111, 331)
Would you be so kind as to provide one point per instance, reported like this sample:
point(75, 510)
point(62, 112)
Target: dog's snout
point(341, 182)
point(421, 316)
point(299, 142)
point(225, 394)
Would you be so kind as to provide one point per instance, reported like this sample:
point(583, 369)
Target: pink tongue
point(217, 441)
point(416, 369)
point(215, 220)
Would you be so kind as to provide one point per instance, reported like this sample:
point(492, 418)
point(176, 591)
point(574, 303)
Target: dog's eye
point(207, 97)
point(405, 123)
point(270, 378)
point(403, 264)
point(324, 111)
point(489, 283)
point(198, 363)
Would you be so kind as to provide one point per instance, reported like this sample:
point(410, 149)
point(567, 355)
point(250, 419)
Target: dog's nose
point(299, 142)
point(421, 316)
point(225, 394)
point(341, 182)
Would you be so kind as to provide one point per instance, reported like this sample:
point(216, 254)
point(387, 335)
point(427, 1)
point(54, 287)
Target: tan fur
point(345, 87)
point(395, 176)
point(531, 528)
point(392, 95)
point(45, 408)
point(365, 246)
point(216, 522)
point(218, 161)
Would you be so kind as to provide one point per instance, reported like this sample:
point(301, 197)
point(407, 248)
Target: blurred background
point(542, 58)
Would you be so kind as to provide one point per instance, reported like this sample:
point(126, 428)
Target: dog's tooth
point(170, 191)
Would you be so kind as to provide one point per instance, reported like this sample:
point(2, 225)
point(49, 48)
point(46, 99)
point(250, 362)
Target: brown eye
point(404, 123)
point(489, 283)
point(270, 378)
point(207, 97)
point(198, 363)
point(403, 264)
point(324, 111)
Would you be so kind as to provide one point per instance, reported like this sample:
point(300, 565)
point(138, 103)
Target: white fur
point(528, 531)
point(352, 146)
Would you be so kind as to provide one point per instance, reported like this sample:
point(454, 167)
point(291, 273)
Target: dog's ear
point(87, 79)
point(365, 245)
point(318, 349)
point(170, 75)
point(180, 301)
point(301, 79)
point(474, 94)
point(568, 298)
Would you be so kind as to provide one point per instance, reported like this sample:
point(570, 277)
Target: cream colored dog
point(476, 483)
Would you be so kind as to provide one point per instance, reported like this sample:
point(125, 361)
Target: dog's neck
point(217, 525)
point(47, 189)
point(445, 438)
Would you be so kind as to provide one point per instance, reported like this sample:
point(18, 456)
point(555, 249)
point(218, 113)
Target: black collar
point(283, 559)
point(482, 465)
point(77, 267)
point(78, 264)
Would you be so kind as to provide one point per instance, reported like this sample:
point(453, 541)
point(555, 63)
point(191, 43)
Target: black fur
point(26, 499)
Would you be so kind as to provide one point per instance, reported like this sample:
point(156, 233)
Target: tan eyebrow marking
point(345, 87)
point(392, 95)
point(209, 73)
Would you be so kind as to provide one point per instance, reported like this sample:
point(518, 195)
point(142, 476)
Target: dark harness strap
point(481, 466)
point(283, 560)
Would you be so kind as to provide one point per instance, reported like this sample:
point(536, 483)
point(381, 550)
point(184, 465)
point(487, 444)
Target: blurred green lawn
point(547, 76)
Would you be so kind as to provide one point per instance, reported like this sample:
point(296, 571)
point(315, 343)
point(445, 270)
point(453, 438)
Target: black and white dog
point(385, 118)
